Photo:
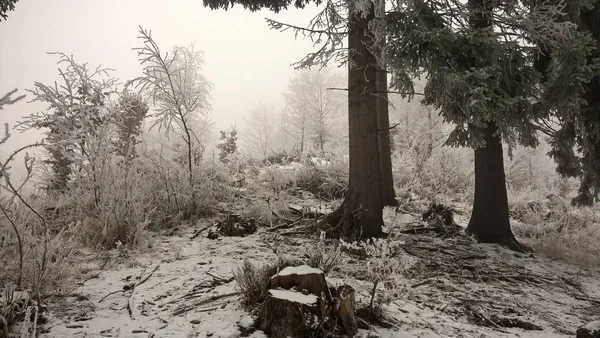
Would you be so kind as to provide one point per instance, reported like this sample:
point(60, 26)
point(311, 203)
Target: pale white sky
point(245, 60)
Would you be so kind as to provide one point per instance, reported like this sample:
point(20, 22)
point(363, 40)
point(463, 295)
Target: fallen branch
point(185, 308)
point(130, 304)
point(198, 232)
point(221, 280)
point(283, 218)
point(111, 293)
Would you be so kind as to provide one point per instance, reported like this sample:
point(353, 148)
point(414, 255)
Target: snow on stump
point(299, 304)
point(303, 278)
point(591, 330)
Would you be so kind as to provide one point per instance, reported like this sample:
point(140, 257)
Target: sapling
point(381, 262)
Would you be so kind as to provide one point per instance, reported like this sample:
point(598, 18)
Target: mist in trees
point(258, 130)
point(228, 145)
point(178, 90)
point(314, 108)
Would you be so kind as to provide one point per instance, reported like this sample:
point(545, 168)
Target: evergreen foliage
point(483, 74)
point(5, 7)
point(228, 145)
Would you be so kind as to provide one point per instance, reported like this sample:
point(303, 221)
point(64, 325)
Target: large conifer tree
point(360, 215)
point(580, 131)
point(479, 59)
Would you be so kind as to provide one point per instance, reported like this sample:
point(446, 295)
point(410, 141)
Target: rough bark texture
point(300, 304)
point(360, 215)
point(282, 318)
point(489, 219)
point(388, 194)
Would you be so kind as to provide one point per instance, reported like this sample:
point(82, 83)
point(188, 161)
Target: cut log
point(288, 313)
point(591, 330)
point(345, 294)
point(302, 278)
point(298, 304)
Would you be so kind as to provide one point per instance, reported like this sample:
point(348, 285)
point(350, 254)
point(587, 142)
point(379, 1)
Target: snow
point(429, 310)
point(293, 296)
point(258, 334)
point(299, 270)
point(246, 322)
point(593, 326)
point(230, 332)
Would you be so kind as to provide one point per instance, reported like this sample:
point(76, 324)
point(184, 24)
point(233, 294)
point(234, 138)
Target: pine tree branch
point(282, 27)
point(389, 91)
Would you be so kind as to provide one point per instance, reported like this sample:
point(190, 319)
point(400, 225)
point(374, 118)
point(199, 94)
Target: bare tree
point(177, 88)
point(311, 110)
point(259, 129)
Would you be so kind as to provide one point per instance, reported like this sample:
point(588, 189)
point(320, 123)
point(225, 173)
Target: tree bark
point(360, 215)
point(388, 193)
point(490, 221)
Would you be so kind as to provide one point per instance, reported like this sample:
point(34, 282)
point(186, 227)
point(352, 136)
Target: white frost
point(299, 270)
point(293, 296)
point(230, 332)
point(258, 334)
point(246, 322)
point(593, 326)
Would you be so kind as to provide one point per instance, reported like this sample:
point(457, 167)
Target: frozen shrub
point(252, 281)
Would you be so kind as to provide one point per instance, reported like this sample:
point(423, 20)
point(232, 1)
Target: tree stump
point(591, 330)
point(300, 304)
point(303, 278)
point(287, 313)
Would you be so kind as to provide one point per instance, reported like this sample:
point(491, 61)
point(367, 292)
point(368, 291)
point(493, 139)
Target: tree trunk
point(489, 219)
point(429, 134)
point(360, 216)
point(388, 194)
point(302, 135)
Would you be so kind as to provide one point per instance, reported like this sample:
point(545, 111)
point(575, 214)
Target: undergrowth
point(252, 280)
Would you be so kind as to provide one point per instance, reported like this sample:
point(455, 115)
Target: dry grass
point(448, 172)
point(560, 231)
point(322, 256)
point(252, 281)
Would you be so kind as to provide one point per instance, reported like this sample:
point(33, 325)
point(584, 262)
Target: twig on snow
point(130, 304)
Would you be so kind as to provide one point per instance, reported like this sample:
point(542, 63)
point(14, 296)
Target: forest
point(433, 171)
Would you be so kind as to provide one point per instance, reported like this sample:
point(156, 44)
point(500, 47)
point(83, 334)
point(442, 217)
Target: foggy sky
point(245, 60)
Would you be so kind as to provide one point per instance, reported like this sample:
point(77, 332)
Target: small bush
point(447, 172)
point(324, 184)
point(562, 232)
point(252, 281)
point(282, 157)
point(322, 257)
point(124, 200)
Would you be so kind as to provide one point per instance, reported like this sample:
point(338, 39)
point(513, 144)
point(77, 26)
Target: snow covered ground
point(455, 290)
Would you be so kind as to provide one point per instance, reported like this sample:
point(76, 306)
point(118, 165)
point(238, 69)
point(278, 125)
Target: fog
point(245, 60)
